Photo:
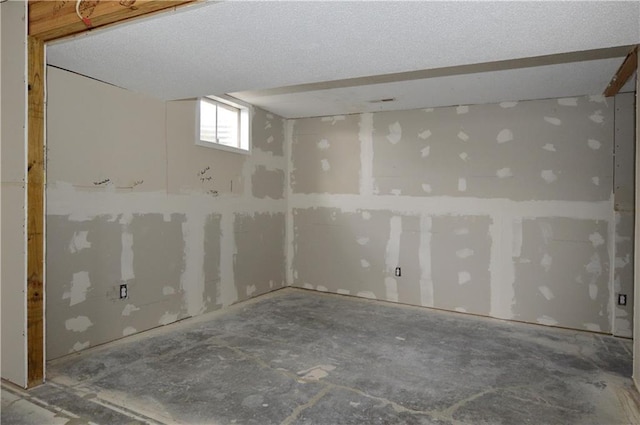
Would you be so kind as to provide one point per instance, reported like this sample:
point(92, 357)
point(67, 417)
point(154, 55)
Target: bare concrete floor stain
point(300, 357)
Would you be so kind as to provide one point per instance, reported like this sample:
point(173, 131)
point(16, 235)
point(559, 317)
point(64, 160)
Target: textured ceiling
point(238, 46)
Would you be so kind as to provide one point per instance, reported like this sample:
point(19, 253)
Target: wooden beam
point(623, 74)
point(35, 213)
point(50, 20)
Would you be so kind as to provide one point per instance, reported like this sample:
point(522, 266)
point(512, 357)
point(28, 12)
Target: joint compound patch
point(505, 136)
point(323, 144)
point(508, 104)
point(464, 253)
point(325, 165)
point(168, 290)
point(79, 346)
point(391, 286)
point(79, 242)
point(168, 318)
point(463, 136)
point(367, 294)
point(322, 288)
point(546, 320)
point(553, 120)
point(597, 117)
point(503, 173)
point(426, 187)
point(464, 156)
point(343, 291)
point(424, 135)
point(462, 184)
point(128, 309)
point(546, 262)
point(464, 277)
point(596, 239)
point(316, 373)
point(462, 109)
point(549, 147)
point(425, 151)
point(593, 291)
point(251, 289)
point(395, 133)
point(364, 263)
point(594, 144)
point(129, 330)
point(363, 240)
point(595, 180)
point(546, 292)
point(80, 284)
point(548, 176)
point(78, 324)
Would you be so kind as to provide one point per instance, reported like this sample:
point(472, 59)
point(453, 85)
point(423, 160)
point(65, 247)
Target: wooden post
point(35, 213)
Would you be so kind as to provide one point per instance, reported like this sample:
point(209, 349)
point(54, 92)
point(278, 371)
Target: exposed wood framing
point(51, 20)
point(623, 74)
point(35, 213)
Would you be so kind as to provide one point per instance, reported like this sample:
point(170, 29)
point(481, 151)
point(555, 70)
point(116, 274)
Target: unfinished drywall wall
point(132, 200)
point(13, 116)
point(636, 239)
point(624, 204)
point(503, 210)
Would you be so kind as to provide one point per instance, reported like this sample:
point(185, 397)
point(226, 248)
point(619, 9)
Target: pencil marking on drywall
point(102, 182)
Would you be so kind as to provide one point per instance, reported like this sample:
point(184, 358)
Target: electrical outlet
point(398, 272)
point(124, 293)
point(622, 299)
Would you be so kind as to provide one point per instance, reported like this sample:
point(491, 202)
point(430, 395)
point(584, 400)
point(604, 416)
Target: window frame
point(245, 115)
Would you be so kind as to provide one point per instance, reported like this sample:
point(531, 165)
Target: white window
point(223, 123)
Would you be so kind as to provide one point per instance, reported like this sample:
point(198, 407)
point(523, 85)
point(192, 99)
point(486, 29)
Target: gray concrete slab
point(300, 357)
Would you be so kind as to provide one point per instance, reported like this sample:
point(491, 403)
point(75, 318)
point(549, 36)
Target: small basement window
point(223, 123)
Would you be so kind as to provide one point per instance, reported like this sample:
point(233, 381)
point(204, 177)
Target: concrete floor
point(299, 357)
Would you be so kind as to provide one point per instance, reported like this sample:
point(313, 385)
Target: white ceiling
point(268, 53)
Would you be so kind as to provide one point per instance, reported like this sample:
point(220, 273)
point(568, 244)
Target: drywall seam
point(502, 268)
point(611, 250)
point(289, 230)
point(392, 257)
point(228, 289)
point(192, 278)
point(366, 154)
point(424, 258)
point(458, 206)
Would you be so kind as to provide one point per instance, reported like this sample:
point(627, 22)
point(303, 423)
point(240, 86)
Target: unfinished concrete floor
point(299, 357)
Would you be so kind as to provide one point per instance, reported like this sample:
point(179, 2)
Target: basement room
point(319, 212)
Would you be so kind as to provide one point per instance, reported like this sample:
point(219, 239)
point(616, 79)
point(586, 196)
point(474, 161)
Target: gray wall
point(131, 199)
point(12, 110)
point(503, 210)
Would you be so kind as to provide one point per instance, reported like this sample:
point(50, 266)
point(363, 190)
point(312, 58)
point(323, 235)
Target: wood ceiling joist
point(623, 74)
point(50, 20)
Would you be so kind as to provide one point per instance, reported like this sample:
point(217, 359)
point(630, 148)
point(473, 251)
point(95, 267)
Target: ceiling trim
point(510, 64)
